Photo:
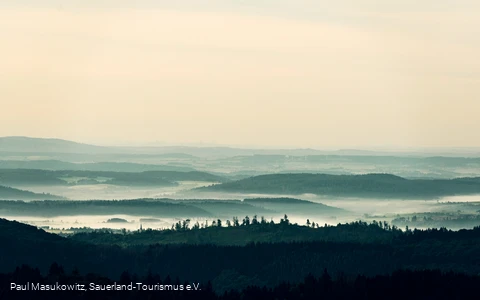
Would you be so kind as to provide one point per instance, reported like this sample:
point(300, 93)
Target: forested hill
point(23, 232)
point(25, 244)
point(258, 230)
point(137, 207)
point(8, 193)
point(368, 185)
point(27, 177)
point(253, 264)
point(172, 208)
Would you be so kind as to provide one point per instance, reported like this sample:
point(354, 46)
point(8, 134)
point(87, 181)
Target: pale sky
point(283, 73)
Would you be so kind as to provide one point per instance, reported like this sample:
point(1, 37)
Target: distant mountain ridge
point(41, 145)
point(58, 165)
point(23, 144)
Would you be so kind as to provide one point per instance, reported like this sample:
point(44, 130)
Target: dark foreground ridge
point(402, 284)
point(259, 263)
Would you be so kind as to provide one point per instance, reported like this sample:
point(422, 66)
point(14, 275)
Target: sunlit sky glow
point(291, 73)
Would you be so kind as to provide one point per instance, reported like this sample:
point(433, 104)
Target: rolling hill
point(171, 208)
point(8, 193)
point(296, 206)
point(369, 185)
point(138, 207)
point(27, 177)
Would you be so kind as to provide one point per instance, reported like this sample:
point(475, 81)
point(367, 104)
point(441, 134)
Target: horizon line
point(162, 144)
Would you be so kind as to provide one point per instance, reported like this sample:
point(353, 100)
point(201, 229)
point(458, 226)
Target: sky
point(283, 73)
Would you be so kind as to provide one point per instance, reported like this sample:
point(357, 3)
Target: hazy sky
point(296, 73)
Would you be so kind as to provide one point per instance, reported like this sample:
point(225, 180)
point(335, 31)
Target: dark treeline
point(241, 231)
point(246, 230)
point(402, 284)
point(369, 185)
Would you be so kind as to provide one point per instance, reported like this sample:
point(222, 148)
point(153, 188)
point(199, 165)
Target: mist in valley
point(190, 177)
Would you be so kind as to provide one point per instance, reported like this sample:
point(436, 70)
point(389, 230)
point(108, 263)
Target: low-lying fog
point(359, 206)
point(133, 223)
point(115, 192)
point(460, 199)
point(433, 213)
point(64, 223)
